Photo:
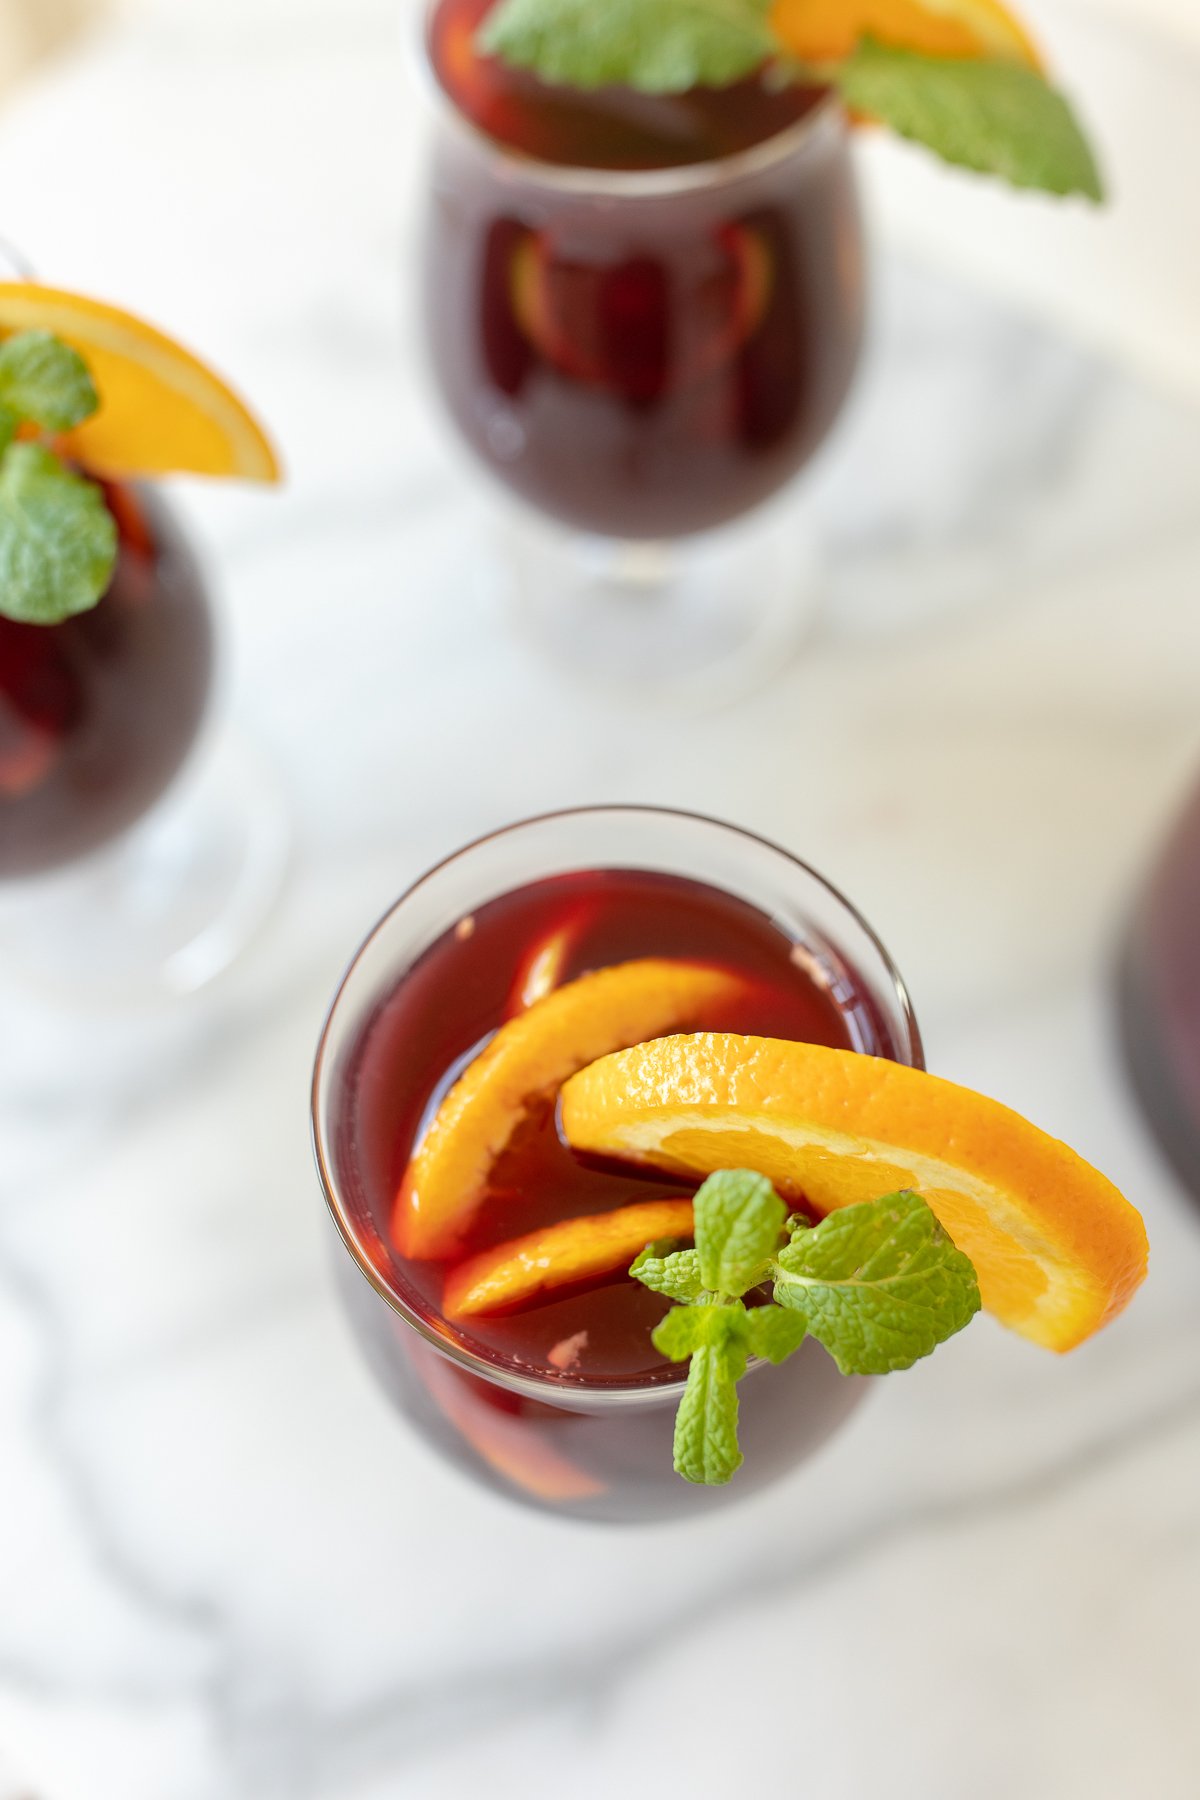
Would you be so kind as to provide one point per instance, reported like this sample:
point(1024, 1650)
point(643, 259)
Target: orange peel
point(574, 1250)
point(523, 1067)
point(162, 411)
point(820, 31)
point(1057, 1249)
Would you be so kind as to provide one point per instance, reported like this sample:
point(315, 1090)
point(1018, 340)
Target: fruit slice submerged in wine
point(1057, 1249)
point(522, 1068)
point(620, 327)
point(561, 1255)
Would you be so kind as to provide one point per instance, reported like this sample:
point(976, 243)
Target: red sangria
point(644, 310)
point(106, 663)
point(1160, 997)
point(98, 712)
point(643, 314)
point(591, 930)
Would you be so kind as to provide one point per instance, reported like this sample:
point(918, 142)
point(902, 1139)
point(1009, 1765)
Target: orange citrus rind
point(819, 31)
point(162, 411)
point(1057, 1249)
point(523, 1066)
point(575, 1250)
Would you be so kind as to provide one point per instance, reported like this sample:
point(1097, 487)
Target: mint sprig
point(878, 1285)
point(660, 46)
point(45, 381)
point(996, 117)
point(58, 541)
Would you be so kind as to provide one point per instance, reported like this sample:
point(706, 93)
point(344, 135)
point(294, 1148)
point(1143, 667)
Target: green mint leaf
point(879, 1285)
point(997, 117)
point(796, 1222)
point(774, 1332)
point(739, 1218)
point(8, 427)
point(58, 542)
point(681, 1331)
point(660, 46)
point(686, 1328)
point(672, 1272)
point(45, 381)
point(706, 1441)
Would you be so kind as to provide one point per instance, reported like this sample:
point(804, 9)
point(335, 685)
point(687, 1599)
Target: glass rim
point(548, 1388)
point(716, 172)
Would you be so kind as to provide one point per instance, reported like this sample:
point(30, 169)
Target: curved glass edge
point(827, 118)
point(577, 1394)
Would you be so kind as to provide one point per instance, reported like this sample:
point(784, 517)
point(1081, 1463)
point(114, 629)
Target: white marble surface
point(226, 1573)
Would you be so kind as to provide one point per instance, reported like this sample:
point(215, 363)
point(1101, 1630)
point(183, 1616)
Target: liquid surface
point(603, 128)
point(98, 713)
point(463, 988)
point(637, 365)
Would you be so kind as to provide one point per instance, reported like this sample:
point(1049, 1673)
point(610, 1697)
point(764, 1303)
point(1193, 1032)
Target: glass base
point(165, 910)
point(700, 620)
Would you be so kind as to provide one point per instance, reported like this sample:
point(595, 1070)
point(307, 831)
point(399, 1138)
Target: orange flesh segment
point(560, 1255)
point(523, 1066)
point(1057, 1249)
point(162, 411)
point(828, 30)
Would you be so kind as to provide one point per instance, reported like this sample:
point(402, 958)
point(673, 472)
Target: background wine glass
point(643, 314)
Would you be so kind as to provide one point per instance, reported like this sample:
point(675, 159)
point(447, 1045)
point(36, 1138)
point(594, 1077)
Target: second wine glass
point(644, 314)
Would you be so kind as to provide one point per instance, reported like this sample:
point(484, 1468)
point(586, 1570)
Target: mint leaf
point(682, 1330)
point(773, 1332)
point(997, 117)
point(660, 46)
point(739, 1218)
point(8, 427)
point(45, 381)
point(706, 1442)
point(58, 542)
point(675, 1273)
point(879, 1285)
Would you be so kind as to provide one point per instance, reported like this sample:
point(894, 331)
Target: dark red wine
point(647, 361)
point(97, 714)
point(1160, 997)
point(598, 1336)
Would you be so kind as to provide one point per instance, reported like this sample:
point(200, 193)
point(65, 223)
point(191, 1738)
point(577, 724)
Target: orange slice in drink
point(162, 412)
point(828, 30)
point(523, 1066)
point(1057, 1249)
point(574, 1250)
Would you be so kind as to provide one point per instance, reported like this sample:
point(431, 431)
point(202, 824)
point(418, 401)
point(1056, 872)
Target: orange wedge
point(162, 412)
point(828, 30)
point(573, 1250)
point(523, 1066)
point(1057, 1249)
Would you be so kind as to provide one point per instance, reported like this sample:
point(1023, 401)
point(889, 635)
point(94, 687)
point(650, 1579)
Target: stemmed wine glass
point(133, 867)
point(643, 314)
